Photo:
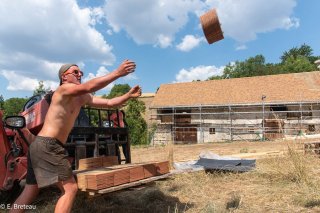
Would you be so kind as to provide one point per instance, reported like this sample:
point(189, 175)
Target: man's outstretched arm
point(117, 101)
point(125, 68)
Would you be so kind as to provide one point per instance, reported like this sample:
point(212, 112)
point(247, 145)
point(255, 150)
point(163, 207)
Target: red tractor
point(96, 132)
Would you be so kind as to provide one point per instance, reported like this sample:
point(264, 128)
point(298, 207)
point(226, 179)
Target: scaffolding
point(259, 121)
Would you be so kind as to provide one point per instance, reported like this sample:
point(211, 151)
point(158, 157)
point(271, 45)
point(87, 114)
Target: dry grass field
point(285, 180)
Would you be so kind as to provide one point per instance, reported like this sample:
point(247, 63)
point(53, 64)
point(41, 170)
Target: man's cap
point(63, 69)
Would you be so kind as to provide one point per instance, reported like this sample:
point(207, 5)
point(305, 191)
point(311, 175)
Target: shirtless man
point(47, 161)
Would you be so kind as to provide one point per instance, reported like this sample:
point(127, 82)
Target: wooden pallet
point(129, 185)
point(119, 176)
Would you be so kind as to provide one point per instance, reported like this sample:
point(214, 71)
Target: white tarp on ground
point(212, 161)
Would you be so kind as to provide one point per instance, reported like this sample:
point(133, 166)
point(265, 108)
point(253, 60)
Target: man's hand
point(135, 92)
point(125, 68)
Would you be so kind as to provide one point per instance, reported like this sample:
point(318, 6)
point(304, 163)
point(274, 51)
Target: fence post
point(263, 129)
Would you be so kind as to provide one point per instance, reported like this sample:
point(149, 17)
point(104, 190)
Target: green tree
point(295, 52)
point(215, 77)
point(40, 90)
point(297, 59)
point(13, 106)
point(1, 102)
point(273, 69)
point(298, 64)
point(118, 90)
point(136, 124)
point(253, 66)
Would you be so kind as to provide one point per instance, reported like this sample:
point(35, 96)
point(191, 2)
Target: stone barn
point(251, 108)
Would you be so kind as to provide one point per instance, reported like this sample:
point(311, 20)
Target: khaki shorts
point(47, 162)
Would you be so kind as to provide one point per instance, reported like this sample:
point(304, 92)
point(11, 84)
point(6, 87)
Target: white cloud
point(198, 73)
point(97, 16)
point(188, 43)
point(242, 20)
point(157, 22)
point(150, 22)
point(38, 36)
point(290, 23)
point(18, 82)
point(163, 41)
point(241, 47)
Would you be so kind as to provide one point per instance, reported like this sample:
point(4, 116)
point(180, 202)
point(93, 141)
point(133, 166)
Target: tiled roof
point(280, 88)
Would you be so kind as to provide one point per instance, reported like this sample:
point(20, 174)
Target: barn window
point(278, 108)
point(311, 128)
point(212, 131)
point(165, 115)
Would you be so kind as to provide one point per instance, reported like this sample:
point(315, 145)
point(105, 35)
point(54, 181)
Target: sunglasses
point(75, 72)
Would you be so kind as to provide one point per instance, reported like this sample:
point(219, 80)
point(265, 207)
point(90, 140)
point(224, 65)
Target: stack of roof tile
point(105, 177)
point(97, 162)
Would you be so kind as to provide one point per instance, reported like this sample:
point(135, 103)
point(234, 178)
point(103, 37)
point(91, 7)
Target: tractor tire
point(9, 196)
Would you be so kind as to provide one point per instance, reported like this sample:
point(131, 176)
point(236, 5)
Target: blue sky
point(163, 37)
